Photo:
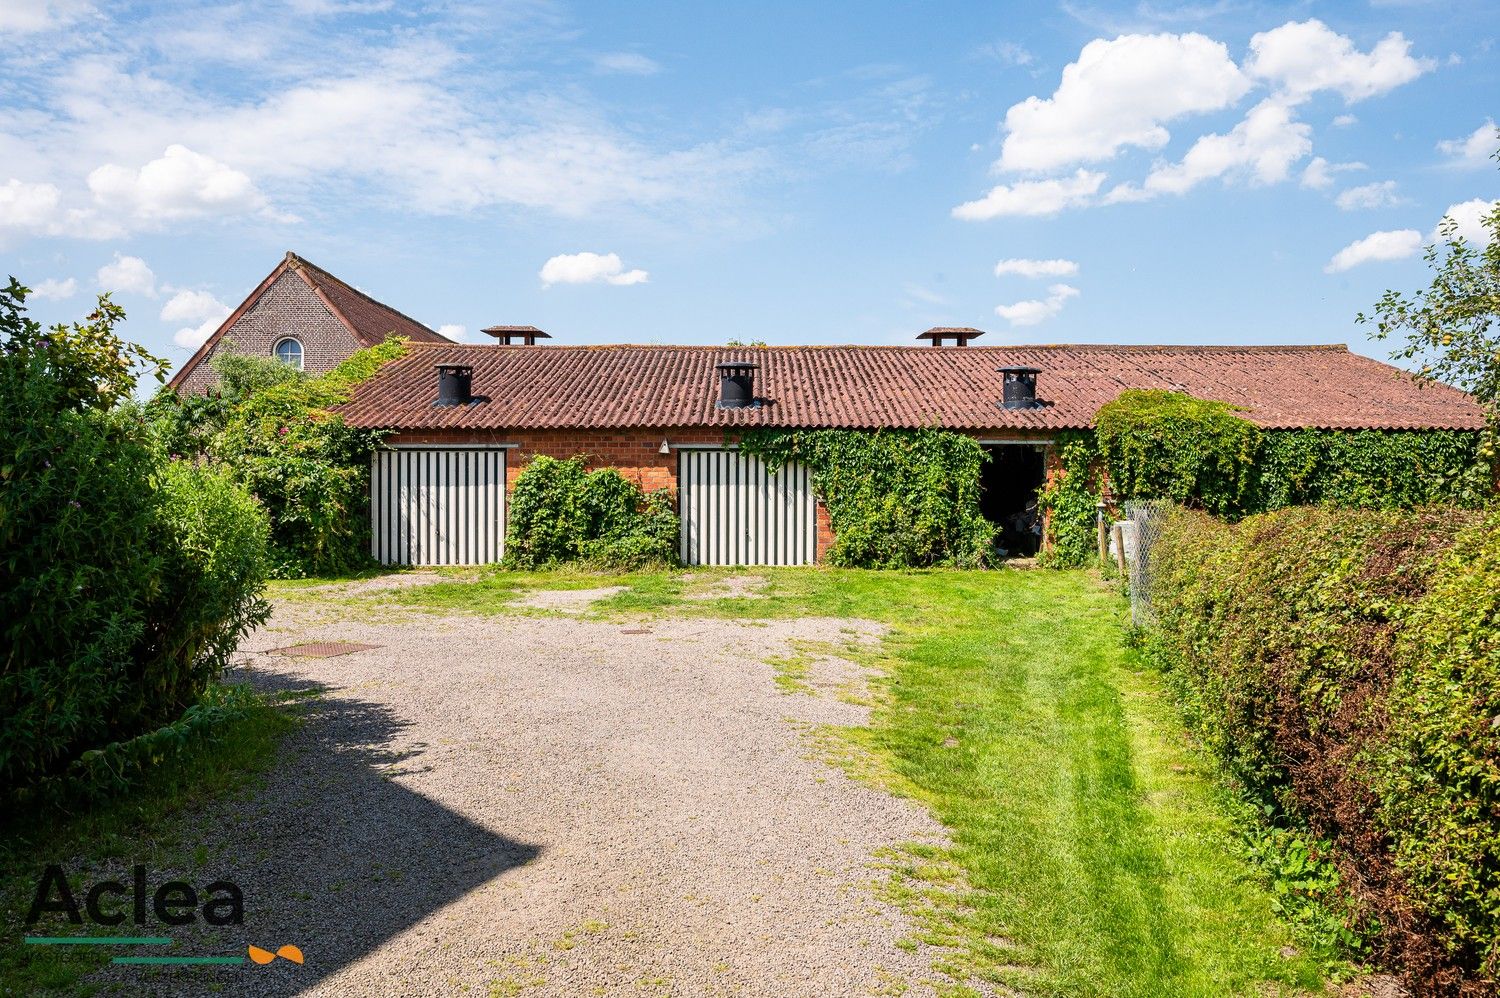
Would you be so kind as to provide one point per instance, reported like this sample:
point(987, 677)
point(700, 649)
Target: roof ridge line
point(1098, 347)
point(304, 262)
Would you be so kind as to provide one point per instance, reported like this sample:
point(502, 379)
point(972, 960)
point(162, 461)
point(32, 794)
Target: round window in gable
point(288, 350)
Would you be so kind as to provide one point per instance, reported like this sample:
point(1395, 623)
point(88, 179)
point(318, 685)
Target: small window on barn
point(288, 350)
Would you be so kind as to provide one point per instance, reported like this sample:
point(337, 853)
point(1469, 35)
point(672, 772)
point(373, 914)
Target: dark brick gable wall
point(288, 308)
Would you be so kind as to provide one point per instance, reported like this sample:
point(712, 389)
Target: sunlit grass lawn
point(1097, 858)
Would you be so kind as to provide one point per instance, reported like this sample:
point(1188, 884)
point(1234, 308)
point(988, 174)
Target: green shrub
point(559, 512)
point(1344, 669)
point(1169, 445)
point(1071, 501)
point(309, 469)
point(242, 375)
point(1370, 469)
point(126, 581)
point(895, 498)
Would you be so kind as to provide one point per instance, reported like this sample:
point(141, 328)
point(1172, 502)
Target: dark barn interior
point(1008, 484)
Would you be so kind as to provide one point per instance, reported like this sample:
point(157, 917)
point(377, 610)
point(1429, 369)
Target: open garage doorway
point(1009, 483)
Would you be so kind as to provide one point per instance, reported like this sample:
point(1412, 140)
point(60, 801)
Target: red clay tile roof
point(367, 320)
point(865, 387)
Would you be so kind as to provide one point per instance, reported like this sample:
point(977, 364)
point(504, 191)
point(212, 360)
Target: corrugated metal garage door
point(437, 506)
point(735, 512)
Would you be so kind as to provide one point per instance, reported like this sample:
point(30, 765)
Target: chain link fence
point(1144, 520)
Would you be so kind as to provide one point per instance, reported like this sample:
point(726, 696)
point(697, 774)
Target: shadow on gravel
point(332, 855)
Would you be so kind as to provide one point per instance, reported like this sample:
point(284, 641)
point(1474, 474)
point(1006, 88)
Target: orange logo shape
point(265, 956)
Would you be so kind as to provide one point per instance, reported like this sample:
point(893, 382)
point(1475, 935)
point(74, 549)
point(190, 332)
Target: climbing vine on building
point(895, 498)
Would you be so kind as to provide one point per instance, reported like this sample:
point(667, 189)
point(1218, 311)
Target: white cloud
point(1302, 58)
point(55, 289)
point(1036, 268)
point(1381, 194)
point(1377, 246)
point(26, 207)
point(24, 17)
point(193, 306)
point(1120, 93)
point(1261, 148)
point(1033, 311)
point(1007, 53)
point(454, 331)
point(1344, 121)
point(193, 337)
point(1033, 197)
point(129, 274)
point(198, 307)
point(1468, 217)
point(1475, 149)
point(1319, 173)
point(586, 268)
point(631, 63)
point(180, 183)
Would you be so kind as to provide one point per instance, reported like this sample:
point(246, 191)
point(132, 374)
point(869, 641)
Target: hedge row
point(1344, 669)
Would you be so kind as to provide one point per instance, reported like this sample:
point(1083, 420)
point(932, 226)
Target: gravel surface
point(729, 587)
point(550, 806)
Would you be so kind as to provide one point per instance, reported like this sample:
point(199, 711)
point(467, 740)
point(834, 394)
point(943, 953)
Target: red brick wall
point(288, 308)
point(634, 452)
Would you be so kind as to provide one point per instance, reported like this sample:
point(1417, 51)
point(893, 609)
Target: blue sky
point(1213, 172)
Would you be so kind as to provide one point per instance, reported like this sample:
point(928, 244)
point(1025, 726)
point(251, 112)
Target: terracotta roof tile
point(369, 320)
point(866, 387)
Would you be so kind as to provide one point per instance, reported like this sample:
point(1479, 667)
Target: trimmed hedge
point(561, 512)
point(1344, 669)
point(895, 498)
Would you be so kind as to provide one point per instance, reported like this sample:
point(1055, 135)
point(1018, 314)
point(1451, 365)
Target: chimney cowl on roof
point(736, 384)
point(1019, 391)
point(507, 335)
point(960, 335)
point(454, 385)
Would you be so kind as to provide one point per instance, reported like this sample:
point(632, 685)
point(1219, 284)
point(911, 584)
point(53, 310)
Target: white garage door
point(736, 512)
point(437, 506)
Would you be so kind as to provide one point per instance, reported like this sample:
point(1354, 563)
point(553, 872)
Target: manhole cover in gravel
point(322, 649)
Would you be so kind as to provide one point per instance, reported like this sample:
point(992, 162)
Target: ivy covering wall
point(1154, 444)
point(895, 498)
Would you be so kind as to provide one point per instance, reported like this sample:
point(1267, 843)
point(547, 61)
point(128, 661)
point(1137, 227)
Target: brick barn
point(303, 316)
point(466, 419)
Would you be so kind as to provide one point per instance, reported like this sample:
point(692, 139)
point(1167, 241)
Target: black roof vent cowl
point(1020, 387)
point(736, 384)
point(455, 382)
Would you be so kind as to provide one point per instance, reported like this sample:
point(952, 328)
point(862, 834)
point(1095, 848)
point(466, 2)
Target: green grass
point(143, 825)
point(1091, 854)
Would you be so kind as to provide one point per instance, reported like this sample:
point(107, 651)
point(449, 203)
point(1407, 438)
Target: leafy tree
point(1452, 329)
point(242, 375)
point(89, 364)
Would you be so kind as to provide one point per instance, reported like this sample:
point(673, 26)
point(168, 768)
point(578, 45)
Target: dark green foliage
point(126, 581)
point(895, 498)
point(559, 512)
point(1344, 668)
point(1070, 500)
point(309, 469)
point(1370, 469)
point(1168, 445)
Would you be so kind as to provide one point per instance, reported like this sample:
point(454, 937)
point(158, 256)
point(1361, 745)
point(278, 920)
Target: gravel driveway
point(555, 806)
